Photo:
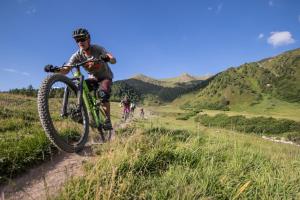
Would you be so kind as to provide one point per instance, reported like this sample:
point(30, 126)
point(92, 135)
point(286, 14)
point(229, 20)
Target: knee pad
point(104, 96)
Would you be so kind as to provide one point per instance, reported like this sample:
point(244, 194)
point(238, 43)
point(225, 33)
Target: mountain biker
point(142, 114)
point(100, 74)
point(132, 107)
point(125, 102)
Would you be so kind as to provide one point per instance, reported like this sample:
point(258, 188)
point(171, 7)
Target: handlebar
point(84, 62)
point(51, 68)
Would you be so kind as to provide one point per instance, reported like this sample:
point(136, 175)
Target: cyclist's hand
point(49, 68)
point(105, 58)
point(89, 65)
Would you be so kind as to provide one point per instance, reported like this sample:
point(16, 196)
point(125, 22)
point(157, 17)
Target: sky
point(158, 38)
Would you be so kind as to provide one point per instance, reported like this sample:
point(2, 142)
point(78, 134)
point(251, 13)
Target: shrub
point(259, 125)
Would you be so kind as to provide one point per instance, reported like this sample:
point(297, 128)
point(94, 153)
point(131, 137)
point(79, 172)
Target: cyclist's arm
point(112, 58)
point(67, 67)
point(64, 70)
point(103, 51)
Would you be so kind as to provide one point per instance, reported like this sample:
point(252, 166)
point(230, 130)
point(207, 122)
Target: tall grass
point(161, 163)
point(22, 140)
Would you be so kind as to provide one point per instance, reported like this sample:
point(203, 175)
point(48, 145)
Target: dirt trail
point(281, 140)
point(44, 181)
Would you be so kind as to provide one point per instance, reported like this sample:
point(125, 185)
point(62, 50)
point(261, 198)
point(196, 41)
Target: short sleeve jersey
point(100, 73)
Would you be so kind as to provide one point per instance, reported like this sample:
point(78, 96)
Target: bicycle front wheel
point(65, 122)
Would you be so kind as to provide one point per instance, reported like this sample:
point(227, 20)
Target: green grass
point(23, 142)
point(154, 162)
point(257, 125)
point(271, 107)
point(165, 158)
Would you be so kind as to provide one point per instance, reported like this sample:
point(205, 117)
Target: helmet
point(81, 32)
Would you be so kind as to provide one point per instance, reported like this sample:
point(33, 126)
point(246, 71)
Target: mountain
point(183, 78)
point(146, 79)
point(155, 91)
point(277, 77)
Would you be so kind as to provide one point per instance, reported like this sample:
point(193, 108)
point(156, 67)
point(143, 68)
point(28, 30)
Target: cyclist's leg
point(105, 91)
point(92, 83)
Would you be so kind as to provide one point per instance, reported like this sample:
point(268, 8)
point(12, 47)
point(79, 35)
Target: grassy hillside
point(162, 158)
point(23, 142)
point(250, 83)
point(171, 159)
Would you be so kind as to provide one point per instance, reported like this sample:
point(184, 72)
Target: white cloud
point(15, 71)
point(21, 1)
point(219, 8)
point(25, 73)
point(10, 70)
point(280, 38)
point(271, 3)
point(260, 36)
point(31, 11)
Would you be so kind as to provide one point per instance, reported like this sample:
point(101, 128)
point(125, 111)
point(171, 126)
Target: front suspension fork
point(65, 102)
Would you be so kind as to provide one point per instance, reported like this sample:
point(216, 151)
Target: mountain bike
point(65, 107)
point(126, 114)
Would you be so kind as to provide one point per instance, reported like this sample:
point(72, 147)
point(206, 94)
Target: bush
point(259, 125)
point(188, 115)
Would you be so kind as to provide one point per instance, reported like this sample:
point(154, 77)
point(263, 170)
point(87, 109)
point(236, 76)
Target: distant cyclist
point(100, 73)
point(132, 107)
point(126, 107)
point(142, 113)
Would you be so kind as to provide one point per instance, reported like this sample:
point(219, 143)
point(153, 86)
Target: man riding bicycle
point(125, 103)
point(100, 74)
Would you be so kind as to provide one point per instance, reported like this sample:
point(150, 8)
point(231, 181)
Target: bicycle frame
point(84, 96)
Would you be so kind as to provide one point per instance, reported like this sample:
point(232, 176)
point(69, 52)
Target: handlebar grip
point(51, 68)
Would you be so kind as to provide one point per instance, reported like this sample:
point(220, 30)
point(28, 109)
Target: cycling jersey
point(126, 103)
point(98, 71)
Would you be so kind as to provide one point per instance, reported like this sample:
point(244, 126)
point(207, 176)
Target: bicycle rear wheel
point(65, 123)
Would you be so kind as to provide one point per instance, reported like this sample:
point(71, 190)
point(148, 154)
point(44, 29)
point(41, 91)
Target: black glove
point(50, 68)
point(105, 58)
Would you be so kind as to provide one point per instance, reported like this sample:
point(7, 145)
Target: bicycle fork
point(64, 109)
point(65, 102)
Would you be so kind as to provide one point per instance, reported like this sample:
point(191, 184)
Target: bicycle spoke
point(68, 125)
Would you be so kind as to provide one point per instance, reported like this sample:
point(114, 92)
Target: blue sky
point(159, 38)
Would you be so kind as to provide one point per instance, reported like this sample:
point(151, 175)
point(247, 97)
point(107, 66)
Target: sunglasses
point(80, 39)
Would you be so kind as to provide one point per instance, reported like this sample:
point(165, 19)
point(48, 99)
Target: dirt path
point(44, 181)
point(281, 140)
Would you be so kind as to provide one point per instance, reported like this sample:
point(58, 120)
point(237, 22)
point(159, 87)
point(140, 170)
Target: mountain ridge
point(277, 77)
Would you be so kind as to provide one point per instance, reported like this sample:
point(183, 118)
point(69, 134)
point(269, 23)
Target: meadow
point(161, 157)
point(157, 159)
point(23, 143)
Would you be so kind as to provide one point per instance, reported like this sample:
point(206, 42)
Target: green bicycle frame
point(90, 101)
